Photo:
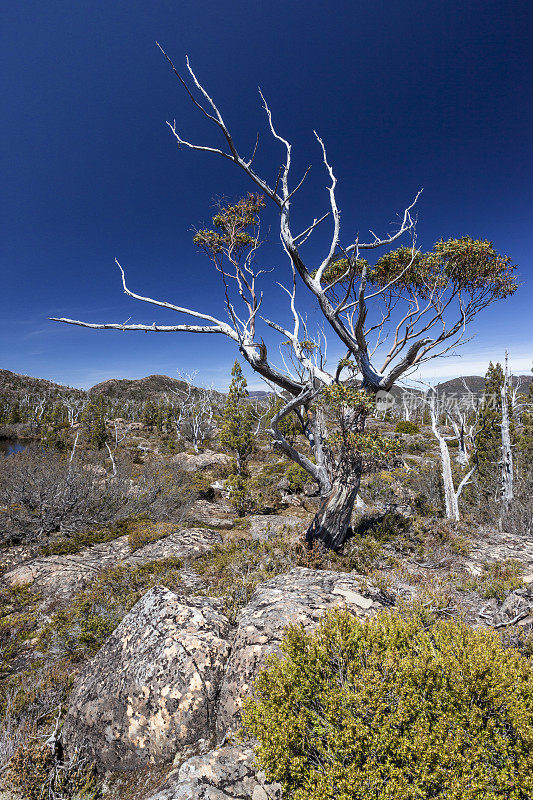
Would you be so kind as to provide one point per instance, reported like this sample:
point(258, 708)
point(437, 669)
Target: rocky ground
point(163, 632)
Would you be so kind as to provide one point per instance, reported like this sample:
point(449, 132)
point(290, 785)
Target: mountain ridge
point(155, 386)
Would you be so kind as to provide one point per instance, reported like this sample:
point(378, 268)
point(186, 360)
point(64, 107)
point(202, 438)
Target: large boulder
point(224, 774)
point(150, 691)
point(186, 543)
point(268, 526)
point(301, 596)
point(60, 577)
point(192, 462)
point(219, 514)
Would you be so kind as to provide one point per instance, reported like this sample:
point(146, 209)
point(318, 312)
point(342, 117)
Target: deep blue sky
point(405, 93)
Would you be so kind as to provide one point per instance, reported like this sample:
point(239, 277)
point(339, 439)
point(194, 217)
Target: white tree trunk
point(450, 497)
point(462, 455)
point(507, 453)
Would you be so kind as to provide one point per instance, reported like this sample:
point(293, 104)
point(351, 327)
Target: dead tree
point(451, 494)
point(507, 453)
point(388, 317)
point(74, 406)
point(463, 416)
point(195, 411)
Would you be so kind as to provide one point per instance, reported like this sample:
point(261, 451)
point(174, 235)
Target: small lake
point(10, 446)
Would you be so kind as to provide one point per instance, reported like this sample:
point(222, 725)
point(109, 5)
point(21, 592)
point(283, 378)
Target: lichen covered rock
point(224, 774)
point(57, 578)
point(150, 691)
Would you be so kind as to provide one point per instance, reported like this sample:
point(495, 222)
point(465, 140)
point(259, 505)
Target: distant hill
point(14, 385)
point(155, 387)
point(152, 387)
point(476, 384)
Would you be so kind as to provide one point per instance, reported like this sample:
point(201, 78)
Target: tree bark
point(331, 524)
point(507, 453)
point(450, 498)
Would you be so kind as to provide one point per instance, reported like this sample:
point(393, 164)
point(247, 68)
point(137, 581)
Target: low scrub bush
point(42, 493)
point(18, 621)
point(497, 579)
point(79, 540)
point(234, 569)
point(36, 770)
point(297, 477)
point(201, 483)
point(404, 426)
point(391, 709)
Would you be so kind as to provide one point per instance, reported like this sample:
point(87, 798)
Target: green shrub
point(384, 527)
point(239, 494)
point(143, 532)
point(79, 540)
point(404, 426)
point(201, 483)
point(418, 446)
point(389, 709)
point(234, 569)
point(297, 477)
point(497, 579)
point(18, 621)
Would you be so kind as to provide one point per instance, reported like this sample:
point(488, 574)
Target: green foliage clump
point(239, 494)
point(391, 709)
point(289, 426)
point(232, 224)
point(498, 579)
point(94, 422)
point(201, 483)
point(348, 407)
point(524, 449)
point(297, 477)
point(385, 527)
point(143, 532)
point(468, 265)
point(236, 422)
point(404, 426)
point(18, 620)
point(79, 540)
point(489, 437)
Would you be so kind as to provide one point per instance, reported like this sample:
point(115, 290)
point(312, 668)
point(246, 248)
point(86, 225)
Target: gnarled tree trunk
point(331, 524)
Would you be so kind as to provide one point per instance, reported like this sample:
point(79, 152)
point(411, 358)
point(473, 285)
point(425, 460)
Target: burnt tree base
point(331, 524)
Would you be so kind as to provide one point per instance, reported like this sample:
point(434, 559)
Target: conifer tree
point(52, 423)
point(489, 436)
point(94, 422)
point(525, 440)
point(15, 416)
point(488, 440)
point(236, 422)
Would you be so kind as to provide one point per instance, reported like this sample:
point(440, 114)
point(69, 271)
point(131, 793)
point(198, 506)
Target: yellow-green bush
point(389, 709)
point(404, 426)
point(297, 477)
point(497, 579)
